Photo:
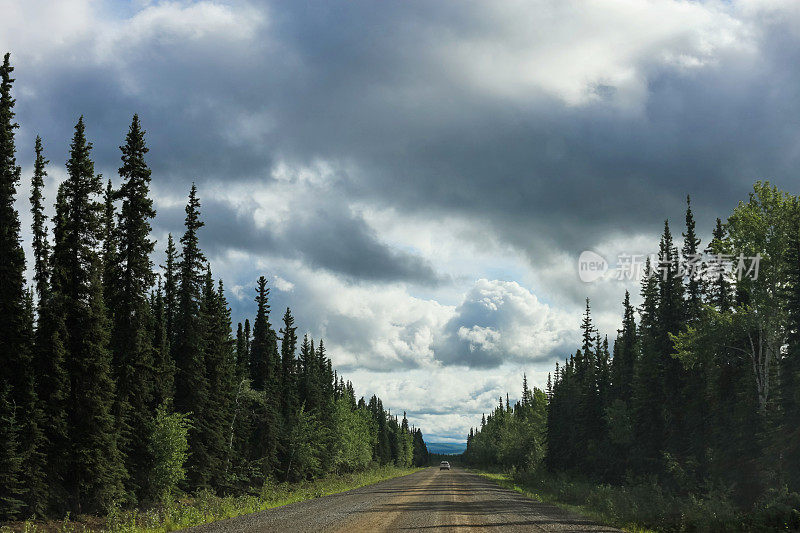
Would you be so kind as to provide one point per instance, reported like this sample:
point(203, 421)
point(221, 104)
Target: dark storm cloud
point(372, 86)
point(322, 237)
point(541, 171)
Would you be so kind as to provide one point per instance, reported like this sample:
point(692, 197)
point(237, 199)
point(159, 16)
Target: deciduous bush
point(169, 446)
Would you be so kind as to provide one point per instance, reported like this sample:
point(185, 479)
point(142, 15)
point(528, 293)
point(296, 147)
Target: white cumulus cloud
point(501, 321)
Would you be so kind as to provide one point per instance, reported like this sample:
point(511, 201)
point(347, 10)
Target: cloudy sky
point(417, 179)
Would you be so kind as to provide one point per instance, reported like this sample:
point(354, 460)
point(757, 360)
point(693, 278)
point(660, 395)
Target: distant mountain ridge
point(446, 447)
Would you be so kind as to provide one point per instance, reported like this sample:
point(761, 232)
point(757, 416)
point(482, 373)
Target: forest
point(124, 384)
point(699, 394)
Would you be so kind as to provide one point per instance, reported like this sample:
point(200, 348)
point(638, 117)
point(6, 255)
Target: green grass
point(205, 507)
point(508, 481)
point(648, 507)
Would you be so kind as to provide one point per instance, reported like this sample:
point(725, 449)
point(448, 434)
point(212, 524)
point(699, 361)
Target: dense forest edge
point(124, 386)
point(693, 423)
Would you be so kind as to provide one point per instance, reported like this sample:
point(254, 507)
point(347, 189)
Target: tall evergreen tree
point(164, 366)
point(695, 382)
point(623, 364)
point(108, 255)
point(648, 408)
point(132, 336)
point(692, 266)
point(41, 485)
point(248, 338)
point(264, 367)
point(671, 318)
point(720, 287)
point(190, 380)
point(53, 382)
point(95, 471)
point(32, 437)
point(288, 348)
point(241, 354)
point(288, 377)
point(589, 424)
point(209, 457)
point(549, 390)
point(41, 247)
point(527, 397)
point(16, 322)
point(171, 275)
point(14, 344)
point(603, 372)
point(306, 385)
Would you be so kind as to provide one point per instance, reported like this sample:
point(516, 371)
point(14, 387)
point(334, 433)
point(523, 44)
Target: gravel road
point(452, 500)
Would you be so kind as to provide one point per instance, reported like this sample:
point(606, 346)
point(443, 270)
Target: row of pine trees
point(703, 389)
point(120, 386)
point(511, 437)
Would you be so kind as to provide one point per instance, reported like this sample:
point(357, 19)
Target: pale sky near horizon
point(417, 179)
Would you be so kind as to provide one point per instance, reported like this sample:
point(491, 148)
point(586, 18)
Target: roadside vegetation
point(642, 507)
point(205, 507)
point(689, 419)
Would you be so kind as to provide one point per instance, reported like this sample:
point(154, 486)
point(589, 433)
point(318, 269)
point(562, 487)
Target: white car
point(444, 465)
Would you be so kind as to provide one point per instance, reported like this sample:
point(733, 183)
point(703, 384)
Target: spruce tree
point(16, 321)
point(648, 407)
point(695, 382)
point(248, 338)
point(262, 362)
point(263, 373)
point(48, 390)
point(41, 247)
point(52, 380)
point(240, 349)
point(241, 431)
point(132, 336)
point(603, 372)
point(527, 397)
point(720, 288)
point(32, 438)
point(289, 404)
point(589, 422)
point(306, 379)
point(549, 390)
point(14, 344)
point(622, 366)
point(190, 380)
point(108, 255)
point(163, 365)
point(325, 373)
point(691, 247)
point(209, 452)
point(94, 472)
point(171, 292)
point(288, 348)
point(671, 317)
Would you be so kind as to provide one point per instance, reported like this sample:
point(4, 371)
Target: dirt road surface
point(431, 499)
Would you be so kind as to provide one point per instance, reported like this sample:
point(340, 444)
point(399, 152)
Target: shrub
point(169, 446)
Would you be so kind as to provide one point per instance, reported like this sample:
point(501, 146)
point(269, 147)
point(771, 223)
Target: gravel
point(447, 500)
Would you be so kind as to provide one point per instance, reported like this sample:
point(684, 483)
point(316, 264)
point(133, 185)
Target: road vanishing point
point(441, 501)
